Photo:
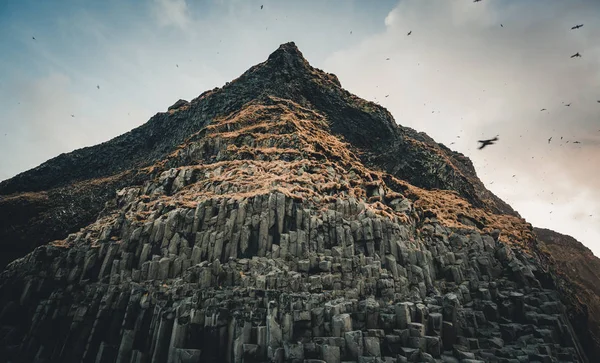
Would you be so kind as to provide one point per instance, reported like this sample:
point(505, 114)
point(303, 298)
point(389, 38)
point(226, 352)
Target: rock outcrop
point(282, 219)
point(577, 271)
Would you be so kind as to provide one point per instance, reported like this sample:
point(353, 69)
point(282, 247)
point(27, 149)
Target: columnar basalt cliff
point(277, 219)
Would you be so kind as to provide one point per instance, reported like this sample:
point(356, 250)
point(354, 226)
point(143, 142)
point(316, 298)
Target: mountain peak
point(261, 220)
point(288, 56)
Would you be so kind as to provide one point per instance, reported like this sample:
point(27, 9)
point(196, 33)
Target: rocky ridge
point(277, 231)
point(51, 194)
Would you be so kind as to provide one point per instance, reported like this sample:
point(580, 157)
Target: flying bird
point(177, 65)
point(550, 139)
point(576, 142)
point(577, 26)
point(568, 104)
point(476, 1)
point(98, 86)
point(261, 7)
point(386, 96)
point(576, 55)
point(487, 142)
point(501, 25)
point(543, 109)
point(72, 115)
point(409, 33)
point(350, 31)
point(387, 59)
point(33, 38)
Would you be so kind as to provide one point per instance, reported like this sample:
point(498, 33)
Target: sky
point(468, 71)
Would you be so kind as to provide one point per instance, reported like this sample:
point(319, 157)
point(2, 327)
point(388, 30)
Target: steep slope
point(400, 151)
point(577, 266)
point(272, 227)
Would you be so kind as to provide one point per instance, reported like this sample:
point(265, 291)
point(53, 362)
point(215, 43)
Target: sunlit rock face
point(277, 219)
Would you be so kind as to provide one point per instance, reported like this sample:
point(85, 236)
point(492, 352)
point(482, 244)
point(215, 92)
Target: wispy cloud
point(172, 13)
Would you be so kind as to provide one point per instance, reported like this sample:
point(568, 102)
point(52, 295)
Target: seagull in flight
point(577, 26)
point(550, 139)
point(543, 109)
point(409, 33)
point(33, 38)
point(576, 55)
point(487, 142)
point(261, 7)
point(568, 104)
point(98, 86)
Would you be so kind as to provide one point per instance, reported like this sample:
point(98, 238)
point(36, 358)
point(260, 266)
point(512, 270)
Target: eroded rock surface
point(273, 234)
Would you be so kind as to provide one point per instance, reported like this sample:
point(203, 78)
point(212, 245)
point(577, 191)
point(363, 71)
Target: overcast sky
point(468, 71)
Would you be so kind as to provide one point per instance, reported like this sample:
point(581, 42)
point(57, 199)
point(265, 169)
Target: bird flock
point(487, 142)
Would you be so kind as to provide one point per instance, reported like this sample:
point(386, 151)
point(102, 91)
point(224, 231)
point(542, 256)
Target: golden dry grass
point(293, 152)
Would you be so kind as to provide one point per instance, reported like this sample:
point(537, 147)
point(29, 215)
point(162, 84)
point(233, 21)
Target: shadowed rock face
point(578, 271)
point(277, 219)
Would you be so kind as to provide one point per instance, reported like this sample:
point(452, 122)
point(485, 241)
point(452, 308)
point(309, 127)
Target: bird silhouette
point(476, 1)
point(98, 86)
point(543, 109)
point(576, 142)
point(261, 7)
point(72, 115)
point(550, 139)
point(386, 96)
point(577, 26)
point(387, 59)
point(487, 142)
point(576, 55)
point(409, 33)
point(568, 104)
point(177, 65)
point(33, 38)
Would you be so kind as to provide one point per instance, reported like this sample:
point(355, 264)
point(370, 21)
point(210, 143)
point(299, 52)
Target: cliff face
point(578, 273)
point(281, 219)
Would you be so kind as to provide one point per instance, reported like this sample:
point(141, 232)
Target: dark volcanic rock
point(398, 150)
point(577, 271)
point(279, 219)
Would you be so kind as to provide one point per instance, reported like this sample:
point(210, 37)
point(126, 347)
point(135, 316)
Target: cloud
point(461, 76)
point(172, 13)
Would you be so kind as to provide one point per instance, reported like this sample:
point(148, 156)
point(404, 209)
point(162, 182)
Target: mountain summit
point(277, 219)
point(67, 192)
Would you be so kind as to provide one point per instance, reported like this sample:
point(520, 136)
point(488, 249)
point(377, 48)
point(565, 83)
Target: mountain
point(278, 218)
